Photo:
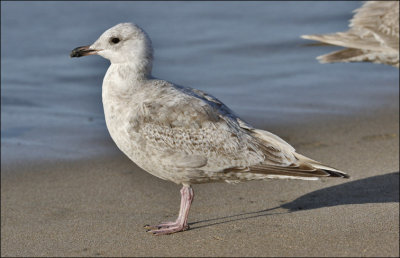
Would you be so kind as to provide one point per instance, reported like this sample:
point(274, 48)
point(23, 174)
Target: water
point(248, 54)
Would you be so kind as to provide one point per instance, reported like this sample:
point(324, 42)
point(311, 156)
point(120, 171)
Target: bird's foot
point(165, 228)
point(161, 225)
point(180, 224)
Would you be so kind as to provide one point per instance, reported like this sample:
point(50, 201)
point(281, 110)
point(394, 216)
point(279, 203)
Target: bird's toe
point(168, 230)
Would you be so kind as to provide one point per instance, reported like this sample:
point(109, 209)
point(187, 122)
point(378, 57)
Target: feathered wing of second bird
point(373, 36)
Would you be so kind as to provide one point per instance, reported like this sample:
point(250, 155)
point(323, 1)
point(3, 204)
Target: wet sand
point(98, 207)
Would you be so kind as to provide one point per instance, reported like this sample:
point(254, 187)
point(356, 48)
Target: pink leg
point(180, 224)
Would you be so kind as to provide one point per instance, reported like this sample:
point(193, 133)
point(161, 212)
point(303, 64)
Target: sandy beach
point(98, 207)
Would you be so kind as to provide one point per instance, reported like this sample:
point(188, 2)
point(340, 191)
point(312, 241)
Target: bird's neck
point(128, 72)
point(123, 80)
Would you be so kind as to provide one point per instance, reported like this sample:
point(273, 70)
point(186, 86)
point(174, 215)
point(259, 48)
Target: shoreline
point(280, 127)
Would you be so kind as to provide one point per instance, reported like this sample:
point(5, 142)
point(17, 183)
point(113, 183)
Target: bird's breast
point(121, 112)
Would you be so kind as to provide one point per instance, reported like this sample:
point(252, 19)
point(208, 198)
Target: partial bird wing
point(382, 19)
point(373, 36)
point(191, 122)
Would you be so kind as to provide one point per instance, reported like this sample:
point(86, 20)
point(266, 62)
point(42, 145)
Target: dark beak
point(82, 51)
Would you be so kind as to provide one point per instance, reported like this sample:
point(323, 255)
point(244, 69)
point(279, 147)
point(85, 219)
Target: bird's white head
point(125, 43)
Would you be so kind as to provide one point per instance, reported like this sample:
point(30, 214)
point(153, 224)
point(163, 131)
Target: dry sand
point(98, 207)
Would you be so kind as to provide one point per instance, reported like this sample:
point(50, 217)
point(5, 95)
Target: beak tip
point(74, 54)
point(82, 51)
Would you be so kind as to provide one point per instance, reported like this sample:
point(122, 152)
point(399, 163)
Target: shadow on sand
point(376, 189)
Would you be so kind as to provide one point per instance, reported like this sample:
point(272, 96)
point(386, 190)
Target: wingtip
point(345, 175)
point(322, 59)
point(315, 37)
point(337, 173)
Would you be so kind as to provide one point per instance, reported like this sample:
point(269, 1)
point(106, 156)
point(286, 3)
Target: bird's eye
point(114, 40)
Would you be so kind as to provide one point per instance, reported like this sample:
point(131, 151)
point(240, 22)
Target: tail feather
point(332, 172)
point(293, 165)
point(306, 169)
point(348, 40)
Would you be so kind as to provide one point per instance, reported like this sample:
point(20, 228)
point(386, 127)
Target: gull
point(181, 134)
point(373, 36)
